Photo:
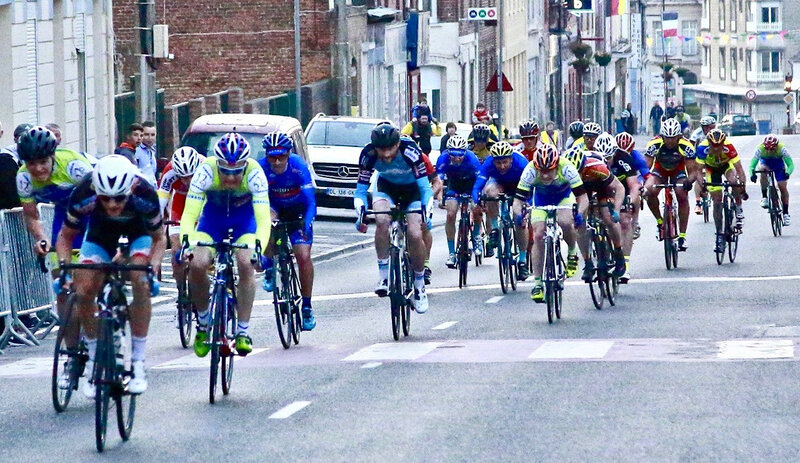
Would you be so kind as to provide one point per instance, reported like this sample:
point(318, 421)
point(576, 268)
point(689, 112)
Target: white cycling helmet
point(606, 145)
point(113, 175)
point(707, 120)
point(457, 142)
point(671, 128)
point(185, 161)
point(592, 128)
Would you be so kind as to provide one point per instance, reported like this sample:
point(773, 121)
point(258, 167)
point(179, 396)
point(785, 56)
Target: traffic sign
point(750, 95)
point(788, 98)
point(492, 87)
point(579, 6)
point(481, 14)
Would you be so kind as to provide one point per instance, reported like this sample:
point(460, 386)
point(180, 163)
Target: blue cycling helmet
point(277, 144)
point(232, 148)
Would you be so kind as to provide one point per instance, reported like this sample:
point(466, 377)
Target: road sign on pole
point(579, 6)
point(481, 14)
point(750, 95)
point(788, 98)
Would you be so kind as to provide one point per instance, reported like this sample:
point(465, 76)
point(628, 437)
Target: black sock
point(785, 208)
point(763, 192)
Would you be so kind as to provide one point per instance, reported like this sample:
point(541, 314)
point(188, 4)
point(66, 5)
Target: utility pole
point(500, 69)
point(559, 114)
point(297, 82)
point(666, 55)
point(145, 84)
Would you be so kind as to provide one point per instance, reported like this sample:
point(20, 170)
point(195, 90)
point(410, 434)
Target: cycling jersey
point(697, 136)
point(520, 148)
point(141, 216)
point(508, 181)
point(397, 177)
point(481, 154)
point(558, 192)
point(430, 170)
point(669, 162)
point(69, 168)
point(572, 142)
point(245, 209)
point(171, 187)
point(724, 159)
point(596, 175)
point(777, 160)
point(460, 177)
point(291, 194)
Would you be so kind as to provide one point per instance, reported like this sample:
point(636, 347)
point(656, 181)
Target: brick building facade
point(218, 45)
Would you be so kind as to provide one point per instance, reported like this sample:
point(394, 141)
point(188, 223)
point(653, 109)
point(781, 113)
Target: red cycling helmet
point(770, 142)
point(625, 142)
point(546, 157)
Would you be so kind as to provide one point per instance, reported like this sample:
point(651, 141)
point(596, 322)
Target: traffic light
point(579, 5)
point(787, 83)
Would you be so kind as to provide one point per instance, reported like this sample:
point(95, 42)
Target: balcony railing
point(754, 26)
point(764, 77)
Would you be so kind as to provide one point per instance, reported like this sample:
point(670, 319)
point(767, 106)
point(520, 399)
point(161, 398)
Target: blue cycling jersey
point(291, 189)
point(510, 177)
point(640, 163)
point(468, 169)
point(407, 168)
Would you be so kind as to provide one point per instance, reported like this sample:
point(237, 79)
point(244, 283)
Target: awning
point(381, 14)
point(731, 90)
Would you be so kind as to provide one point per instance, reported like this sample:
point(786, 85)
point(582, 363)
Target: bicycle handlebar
point(40, 259)
point(500, 197)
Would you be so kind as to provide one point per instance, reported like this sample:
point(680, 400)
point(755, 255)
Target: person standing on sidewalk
point(146, 156)
point(655, 117)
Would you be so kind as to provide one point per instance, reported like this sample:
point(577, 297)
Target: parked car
point(461, 129)
point(334, 145)
point(204, 132)
point(738, 124)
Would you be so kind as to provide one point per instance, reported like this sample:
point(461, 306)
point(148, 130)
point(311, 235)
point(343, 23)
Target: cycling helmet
point(716, 137)
point(20, 129)
point(185, 161)
point(501, 149)
point(576, 130)
point(113, 175)
point(770, 142)
point(232, 148)
point(592, 128)
point(528, 129)
point(625, 142)
point(385, 135)
point(456, 142)
point(707, 120)
point(606, 145)
point(575, 156)
point(481, 132)
point(546, 157)
point(277, 143)
point(36, 143)
point(671, 128)
point(679, 109)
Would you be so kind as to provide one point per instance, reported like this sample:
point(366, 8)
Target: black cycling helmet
point(20, 129)
point(481, 133)
point(576, 130)
point(36, 143)
point(385, 135)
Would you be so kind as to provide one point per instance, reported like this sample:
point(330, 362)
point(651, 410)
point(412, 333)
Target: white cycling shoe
point(420, 300)
point(382, 288)
point(138, 383)
point(787, 220)
point(764, 203)
point(85, 385)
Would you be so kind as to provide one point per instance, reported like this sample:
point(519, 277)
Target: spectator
point(551, 135)
point(493, 125)
point(422, 131)
point(12, 148)
point(56, 129)
point(146, 152)
point(628, 120)
point(132, 139)
point(421, 109)
point(479, 113)
point(8, 177)
point(655, 117)
point(670, 111)
point(451, 130)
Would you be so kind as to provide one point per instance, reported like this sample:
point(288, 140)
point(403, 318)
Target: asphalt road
point(694, 364)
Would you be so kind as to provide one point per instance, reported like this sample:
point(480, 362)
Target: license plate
point(342, 192)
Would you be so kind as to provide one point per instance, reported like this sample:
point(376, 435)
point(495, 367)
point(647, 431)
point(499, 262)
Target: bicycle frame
point(670, 224)
point(286, 296)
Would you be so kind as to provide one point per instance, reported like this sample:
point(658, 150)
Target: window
point(770, 61)
point(769, 14)
point(722, 63)
point(659, 41)
point(749, 60)
point(689, 29)
point(706, 62)
point(733, 15)
point(722, 15)
point(733, 64)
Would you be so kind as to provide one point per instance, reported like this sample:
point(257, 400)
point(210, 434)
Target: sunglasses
point(116, 198)
point(231, 171)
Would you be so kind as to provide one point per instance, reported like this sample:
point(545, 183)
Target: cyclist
point(402, 181)
point(629, 166)
point(48, 175)
point(575, 134)
point(707, 124)
point(773, 155)
point(291, 197)
point(598, 179)
point(461, 167)
point(113, 201)
point(590, 133)
point(500, 175)
point(671, 158)
point(228, 191)
point(684, 119)
point(172, 189)
point(480, 141)
point(529, 131)
point(720, 159)
point(550, 180)
point(427, 226)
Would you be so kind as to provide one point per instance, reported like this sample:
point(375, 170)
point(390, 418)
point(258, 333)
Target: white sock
point(419, 280)
point(138, 346)
point(383, 269)
point(91, 344)
point(202, 320)
point(241, 328)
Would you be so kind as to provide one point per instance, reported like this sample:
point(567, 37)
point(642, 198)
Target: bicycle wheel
point(218, 303)
point(126, 408)
point(102, 377)
point(511, 261)
point(408, 290)
point(674, 234)
point(66, 360)
point(283, 314)
point(396, 297)
point(549, 278)
point(297, 301)
point(462, 253)
point(125, 403)
point(186, 316)
point(501, 268)
point(775, 209)
point(720, 254)
point(595, 286)
point(732, 234)
point(559, 285)
point(668, 240)
point(227, 356)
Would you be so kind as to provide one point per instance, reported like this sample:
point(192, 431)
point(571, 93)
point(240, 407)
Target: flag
point(619, 7)
point(669, 24)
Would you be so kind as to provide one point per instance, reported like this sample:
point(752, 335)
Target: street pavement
point(694, 364)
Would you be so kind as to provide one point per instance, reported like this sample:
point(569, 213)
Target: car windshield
point(339, 133)
point(742, 119)
point(204, 142)
point(436, 141)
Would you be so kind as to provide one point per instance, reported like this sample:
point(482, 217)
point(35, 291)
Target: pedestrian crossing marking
point(191, 361)
point(572, 349)
point(756, 349)
point(393, 351)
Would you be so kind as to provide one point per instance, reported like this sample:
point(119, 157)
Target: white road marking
point(494, 300)
point(756, 349)
point(33, 366)
point(160, 299)
point(289, 410)
point(192, 361)
point(393, 351)
point(444, 325)
point(574, 349)
point(371, 365)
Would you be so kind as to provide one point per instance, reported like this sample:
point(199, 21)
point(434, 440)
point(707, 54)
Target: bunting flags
point(723, 38)
point(619, 7)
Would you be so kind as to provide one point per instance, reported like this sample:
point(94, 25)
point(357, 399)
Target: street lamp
point(787, 87)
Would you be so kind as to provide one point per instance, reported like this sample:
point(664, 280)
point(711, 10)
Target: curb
point(352, 247)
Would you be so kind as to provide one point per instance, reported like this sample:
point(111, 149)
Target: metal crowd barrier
point(24, 289)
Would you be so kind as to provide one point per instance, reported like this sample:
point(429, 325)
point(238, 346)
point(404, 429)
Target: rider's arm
point(195, 197)
point(259, 188)
point(633, 188)
point(480, 182)
point(641, 164)
point(307, 190)
point(787, 160)
point(366, 165)
point(30, 213)
point(754, 161)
